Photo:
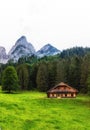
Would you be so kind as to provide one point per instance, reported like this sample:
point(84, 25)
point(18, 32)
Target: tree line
point(42, 74)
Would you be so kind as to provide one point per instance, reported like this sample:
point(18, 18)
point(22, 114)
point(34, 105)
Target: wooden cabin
point(62, 90)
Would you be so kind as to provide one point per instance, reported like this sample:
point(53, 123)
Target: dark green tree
point(51, 74)
point(10, 79)
point(88, 83)
point(23, 75)
point(74, 72)
point(42, 78)
point(60, 77)
point(33, 76)
point(85, 73)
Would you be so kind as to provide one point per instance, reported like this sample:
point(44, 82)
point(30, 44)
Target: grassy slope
point(33, 111)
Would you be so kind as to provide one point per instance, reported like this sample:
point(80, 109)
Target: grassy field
point(33, 111)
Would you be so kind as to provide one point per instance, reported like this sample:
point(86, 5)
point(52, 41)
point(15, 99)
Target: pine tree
point(60, 77)
point(10, 79)
point(42, 78)
point(88, 84)
point(33, 75)
point(23, 75)
point(75, 72)
point(84, 73)
point(51, 74)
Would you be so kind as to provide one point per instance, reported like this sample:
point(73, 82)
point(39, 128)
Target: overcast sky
point(63, 23)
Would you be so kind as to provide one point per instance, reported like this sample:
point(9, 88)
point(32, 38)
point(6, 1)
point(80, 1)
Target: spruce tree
point(51, 74)
point(42, 78)
point(23, 75)
point(88, 85)
point(60, 77)
point(85, 73)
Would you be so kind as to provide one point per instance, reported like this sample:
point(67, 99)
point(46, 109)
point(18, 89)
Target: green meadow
point(34, 111)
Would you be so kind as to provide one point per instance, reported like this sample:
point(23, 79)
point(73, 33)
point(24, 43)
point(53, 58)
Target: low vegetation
point(34, 111)
point(10, 79)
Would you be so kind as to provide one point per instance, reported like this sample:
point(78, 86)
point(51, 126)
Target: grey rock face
point(47, 50)
point(21, 48)
point(3, 55)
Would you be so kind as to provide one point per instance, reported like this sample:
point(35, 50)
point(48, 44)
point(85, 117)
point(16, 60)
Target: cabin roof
point(62, 84)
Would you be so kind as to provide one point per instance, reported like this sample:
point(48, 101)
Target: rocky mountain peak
point(22, 40)
point(47, 50)
point(21, 48)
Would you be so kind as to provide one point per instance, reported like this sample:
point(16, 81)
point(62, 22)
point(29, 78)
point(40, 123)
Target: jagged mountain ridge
point(47, 50)
point(23, 48)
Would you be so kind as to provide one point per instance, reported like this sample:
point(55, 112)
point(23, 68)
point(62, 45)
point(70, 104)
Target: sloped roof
point(62, 84)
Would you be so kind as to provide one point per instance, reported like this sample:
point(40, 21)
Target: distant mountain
point(3, 56)
point(21, 48)
point(47, 50)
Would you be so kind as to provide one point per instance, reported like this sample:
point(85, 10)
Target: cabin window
point(74, 95)
point(55, 95)
point(51, 95)
point(69, 95)
point(63, 95)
